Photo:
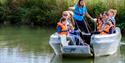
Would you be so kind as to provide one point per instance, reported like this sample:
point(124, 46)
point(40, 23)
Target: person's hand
point(94, 19)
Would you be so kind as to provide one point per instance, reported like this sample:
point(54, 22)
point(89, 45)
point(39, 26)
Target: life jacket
point(63, 28)
point(106, 30)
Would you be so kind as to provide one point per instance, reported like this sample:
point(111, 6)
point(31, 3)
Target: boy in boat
point(62, 30)
point(62, 27)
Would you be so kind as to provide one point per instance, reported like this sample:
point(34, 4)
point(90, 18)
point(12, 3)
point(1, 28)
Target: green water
point(30, 45)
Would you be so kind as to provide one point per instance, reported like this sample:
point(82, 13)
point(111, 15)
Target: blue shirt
point(59, 29)
point(79, 13)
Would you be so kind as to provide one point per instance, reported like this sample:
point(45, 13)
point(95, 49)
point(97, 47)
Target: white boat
point(106, 44)
point(101, 45)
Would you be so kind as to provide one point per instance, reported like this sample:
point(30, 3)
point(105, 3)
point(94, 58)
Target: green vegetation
point(48, 12)
point(35, 12)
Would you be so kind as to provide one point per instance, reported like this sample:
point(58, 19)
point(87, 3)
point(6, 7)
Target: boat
point(106, 44)
point(100, 45)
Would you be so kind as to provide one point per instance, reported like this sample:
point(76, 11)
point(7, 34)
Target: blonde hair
point(113, 11)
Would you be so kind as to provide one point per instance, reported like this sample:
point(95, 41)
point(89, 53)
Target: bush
point(47, 12)
point(43, 12)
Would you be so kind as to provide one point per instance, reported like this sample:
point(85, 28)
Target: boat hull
point(106, 44)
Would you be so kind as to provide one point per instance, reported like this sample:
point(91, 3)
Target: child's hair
point(113, 11)
point(100, 18)
point(105, 13)
point(63, 20)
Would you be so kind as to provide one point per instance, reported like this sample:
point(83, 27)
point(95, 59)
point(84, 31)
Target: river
point(30, 45)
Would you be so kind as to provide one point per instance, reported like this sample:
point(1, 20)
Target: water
point(30, 45)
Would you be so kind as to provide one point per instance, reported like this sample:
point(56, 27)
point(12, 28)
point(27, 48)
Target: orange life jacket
point(106, 30)
point(63, 27)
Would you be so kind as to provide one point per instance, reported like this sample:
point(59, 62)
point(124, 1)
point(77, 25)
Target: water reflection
point(105, 59)
point(109, 59)
point(24, 45)
point(9, 55)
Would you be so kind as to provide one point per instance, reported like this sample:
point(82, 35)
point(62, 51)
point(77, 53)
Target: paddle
point(79, 30)
point(91, 46)
point(92, 49)
point(82, 34)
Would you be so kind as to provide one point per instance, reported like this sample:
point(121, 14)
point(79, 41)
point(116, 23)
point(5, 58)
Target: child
point(105, 17)
point(69, 18)
point(62, 27)
point(99, 24)
point(62, 31)
point(112, 14)
point(107, 28)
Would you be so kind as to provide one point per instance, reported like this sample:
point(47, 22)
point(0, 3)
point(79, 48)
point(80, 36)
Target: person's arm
point(88, 15)
point(72, 21)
